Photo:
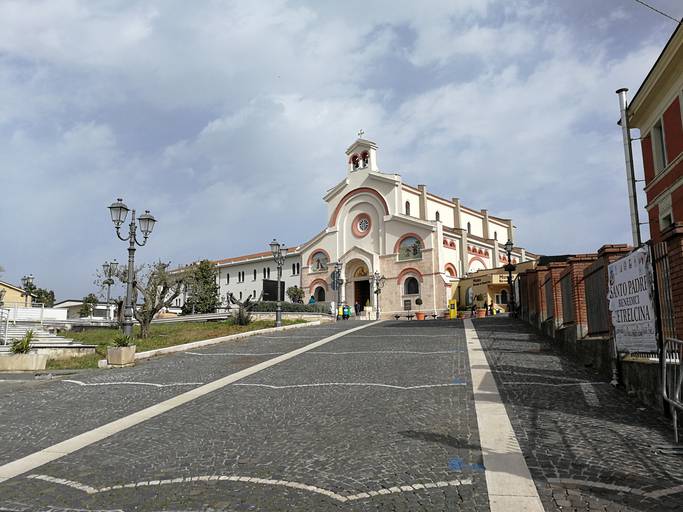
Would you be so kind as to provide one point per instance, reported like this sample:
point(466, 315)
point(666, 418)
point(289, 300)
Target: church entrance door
point(361, 293)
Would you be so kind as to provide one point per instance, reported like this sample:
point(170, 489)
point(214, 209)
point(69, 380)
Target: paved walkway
point(354, 416)
point(588, 445)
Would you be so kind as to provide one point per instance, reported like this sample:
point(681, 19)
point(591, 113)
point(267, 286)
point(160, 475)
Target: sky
point(229, 120)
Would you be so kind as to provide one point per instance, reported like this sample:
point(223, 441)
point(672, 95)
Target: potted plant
point(419, 315)
point(122, 353)
point(22, 359)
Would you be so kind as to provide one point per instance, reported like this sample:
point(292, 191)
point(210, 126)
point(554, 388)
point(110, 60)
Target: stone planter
point(23, 362)
point(419, 315)
point(121, 356)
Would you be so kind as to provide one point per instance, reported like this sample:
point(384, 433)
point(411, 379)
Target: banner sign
point(630, 299)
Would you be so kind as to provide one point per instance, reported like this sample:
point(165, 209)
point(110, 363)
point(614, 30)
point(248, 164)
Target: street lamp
point(337, 285)
point(379, 281)
point(509, 268)
point(109, 269)
point(119, 211)
point(279, 252)
point(27, 283)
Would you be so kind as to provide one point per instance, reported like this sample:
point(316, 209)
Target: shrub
point(418, 301)
point(121, 340)
point(271, 306)
point(23, 345)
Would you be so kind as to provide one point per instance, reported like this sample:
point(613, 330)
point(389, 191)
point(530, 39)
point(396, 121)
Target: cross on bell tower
point(361, 133)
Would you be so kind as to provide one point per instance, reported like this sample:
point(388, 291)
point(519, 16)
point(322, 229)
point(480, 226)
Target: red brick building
point(657, 111)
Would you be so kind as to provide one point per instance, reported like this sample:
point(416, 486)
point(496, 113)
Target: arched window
point(504, 297)
point(319, 262)
point(240, 295)
point(319, 294)
point(495, 235)
point(227, 278)
point(365, 158)
point(407, 207)
point(438, 217)
point(469, 228)
point(264, 272)
point(293, 268)
point(411, 286)
point(410, 248)
point(254, 294)
point(268, 272)
point(298, 268)
point(254, 274)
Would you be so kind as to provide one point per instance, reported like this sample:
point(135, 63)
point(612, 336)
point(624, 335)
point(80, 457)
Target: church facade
point(419, 242)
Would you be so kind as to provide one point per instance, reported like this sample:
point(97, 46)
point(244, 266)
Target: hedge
point(271, 306)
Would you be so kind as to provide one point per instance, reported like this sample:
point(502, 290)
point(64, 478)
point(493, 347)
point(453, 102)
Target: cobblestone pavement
point(38, 414)
point(588, 445)
point(380, 419)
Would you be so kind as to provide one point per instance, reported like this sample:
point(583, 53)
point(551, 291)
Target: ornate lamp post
point(279, 252)
point(119, 211)
point(509, 268)
point(27, 282)
point(379, 281)
point(338, 281)
point(109, 269)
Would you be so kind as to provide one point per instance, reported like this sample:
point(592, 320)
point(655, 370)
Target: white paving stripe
point(589, 394)
point(236, 353)
point(255, 480)
point(132, 383)
point(54, 452)
point(508, 481)
point(386, 352)
point(361, 384)
point(528, 374)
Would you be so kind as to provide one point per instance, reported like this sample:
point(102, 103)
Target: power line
point(657, 10)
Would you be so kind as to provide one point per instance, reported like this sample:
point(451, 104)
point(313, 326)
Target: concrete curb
point(102, 363)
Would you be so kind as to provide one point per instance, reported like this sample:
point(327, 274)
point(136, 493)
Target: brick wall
point(572, 276)
point(674, 240)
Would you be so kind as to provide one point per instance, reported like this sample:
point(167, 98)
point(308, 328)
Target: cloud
point(229, 120)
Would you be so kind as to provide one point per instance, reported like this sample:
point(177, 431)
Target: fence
point(596, 300)
point(672, 378)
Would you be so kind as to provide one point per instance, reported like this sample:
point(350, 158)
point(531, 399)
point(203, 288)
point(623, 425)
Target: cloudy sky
point(229, 120)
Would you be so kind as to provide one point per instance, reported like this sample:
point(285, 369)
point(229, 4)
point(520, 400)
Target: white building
point(420, 242)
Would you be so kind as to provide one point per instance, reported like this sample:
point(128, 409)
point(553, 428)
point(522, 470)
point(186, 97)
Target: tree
point(201, 283)
point(159, 288)
point(44, 296)
point(295, 294)
point(88, 306)
point(243, 315)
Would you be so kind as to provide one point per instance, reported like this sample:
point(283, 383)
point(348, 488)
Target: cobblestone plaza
point(354, 416)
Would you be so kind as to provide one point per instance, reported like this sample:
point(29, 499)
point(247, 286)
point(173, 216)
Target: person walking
point(356, 308)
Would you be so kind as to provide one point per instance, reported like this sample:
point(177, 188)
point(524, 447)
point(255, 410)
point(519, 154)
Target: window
point(254, 295)
point(437, 217)
point(264, 272)
point(469, 228)
point(410, 248)
point(298, 268)
point(319, 262)
point(293, 269)
point(411, 286)
point(268, 272)
point(495, 235)
point(227, 278)
point(240, 295)
point(407, 208)
point(658, 147)
point(254, 274)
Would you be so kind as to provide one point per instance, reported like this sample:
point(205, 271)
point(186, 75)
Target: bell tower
point(362, 155)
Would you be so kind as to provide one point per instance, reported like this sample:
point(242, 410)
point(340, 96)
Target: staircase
point(41, 338)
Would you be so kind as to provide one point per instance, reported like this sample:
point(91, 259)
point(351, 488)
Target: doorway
point(361, 293)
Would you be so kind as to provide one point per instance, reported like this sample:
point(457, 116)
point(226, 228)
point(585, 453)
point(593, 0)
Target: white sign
point(630, 298)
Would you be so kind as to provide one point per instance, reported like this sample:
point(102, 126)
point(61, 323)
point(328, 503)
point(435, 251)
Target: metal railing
point(672, 378)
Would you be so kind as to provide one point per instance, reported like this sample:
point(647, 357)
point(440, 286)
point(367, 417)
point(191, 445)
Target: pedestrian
point(486, 307)
point(311, 300)
point(474, 310)
point(356, 308)
point(346, 312)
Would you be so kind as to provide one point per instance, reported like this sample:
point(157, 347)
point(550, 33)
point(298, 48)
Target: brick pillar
point(575, 267)
point(673, 236)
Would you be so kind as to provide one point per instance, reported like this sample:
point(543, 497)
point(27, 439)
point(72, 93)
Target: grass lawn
point(160, 335)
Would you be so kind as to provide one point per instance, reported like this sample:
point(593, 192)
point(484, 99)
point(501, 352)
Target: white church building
point(419, 242)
